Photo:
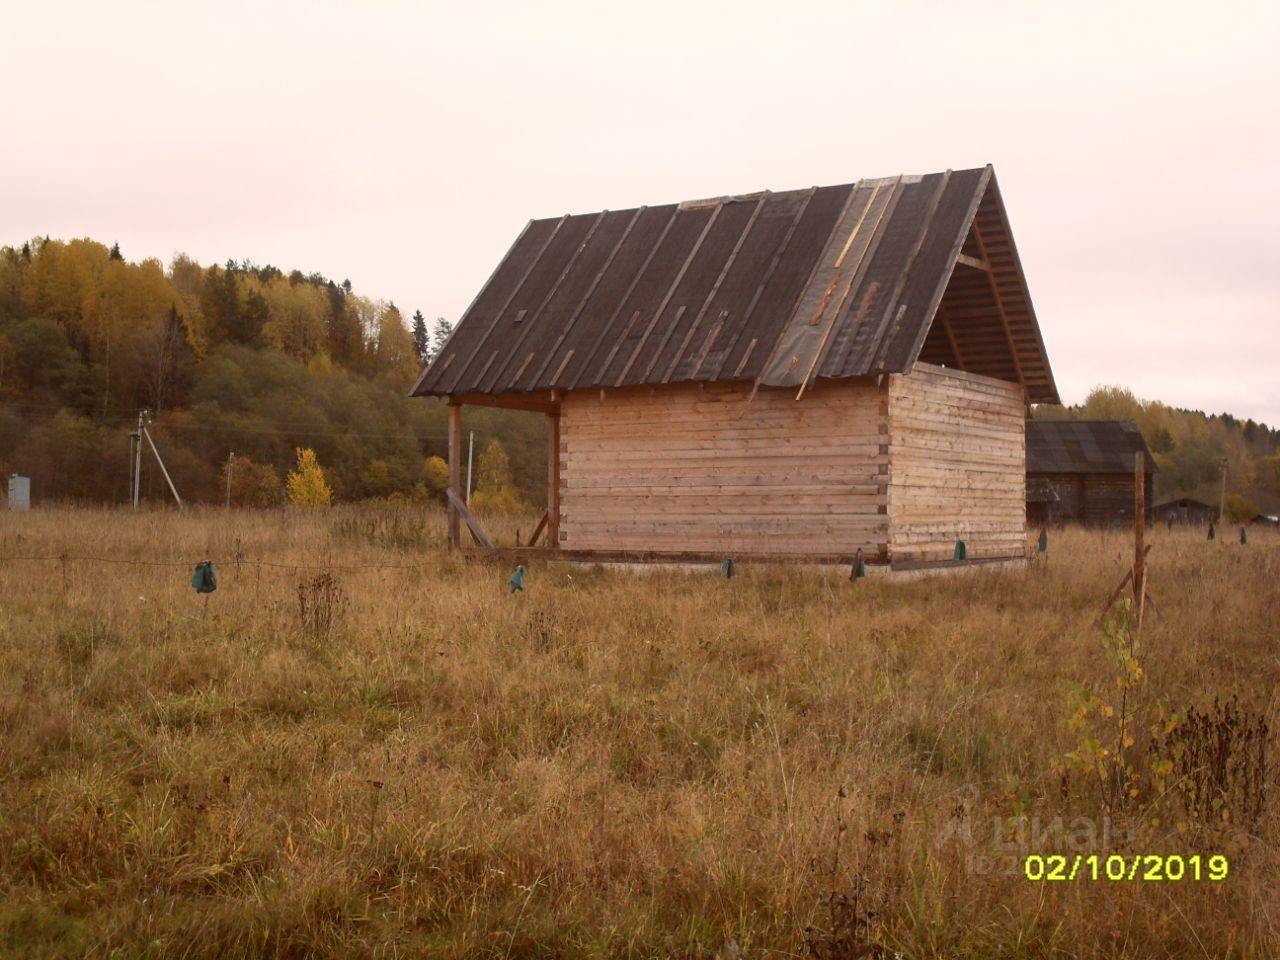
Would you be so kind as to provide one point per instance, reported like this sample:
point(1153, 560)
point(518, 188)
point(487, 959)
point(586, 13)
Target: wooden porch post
point(455, 471)
point(553, 479)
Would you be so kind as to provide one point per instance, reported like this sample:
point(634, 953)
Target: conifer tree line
point(237, 357)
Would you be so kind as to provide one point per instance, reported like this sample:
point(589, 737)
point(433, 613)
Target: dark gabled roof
point(1084, 446)
point(776, 288)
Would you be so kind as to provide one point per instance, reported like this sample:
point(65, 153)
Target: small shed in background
point(1184, 510)
point(1088, 464)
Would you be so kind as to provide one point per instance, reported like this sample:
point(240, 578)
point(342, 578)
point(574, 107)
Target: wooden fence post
point(1139, 529)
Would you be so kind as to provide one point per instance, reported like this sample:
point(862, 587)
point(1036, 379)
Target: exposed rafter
point(1000, 310)
point(977, 264)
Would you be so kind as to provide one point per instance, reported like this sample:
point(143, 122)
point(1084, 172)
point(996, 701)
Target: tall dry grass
point(779, 764)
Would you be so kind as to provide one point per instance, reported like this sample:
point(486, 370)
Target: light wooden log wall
point(702, 469)
point(957, 465)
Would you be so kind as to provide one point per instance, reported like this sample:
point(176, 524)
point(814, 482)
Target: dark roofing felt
point(1084, 446)
point(778, 288)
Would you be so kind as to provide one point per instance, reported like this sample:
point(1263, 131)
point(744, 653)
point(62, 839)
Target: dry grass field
point(362, 747)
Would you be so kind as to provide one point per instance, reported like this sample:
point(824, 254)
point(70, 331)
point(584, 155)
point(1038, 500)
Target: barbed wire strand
point(243, 561)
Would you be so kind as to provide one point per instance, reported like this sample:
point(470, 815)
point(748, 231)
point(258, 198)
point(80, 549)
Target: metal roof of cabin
point(776, 288)
point(1084, 446)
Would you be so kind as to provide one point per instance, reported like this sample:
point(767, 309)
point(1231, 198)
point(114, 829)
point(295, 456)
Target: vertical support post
point(1139, 529)
point(553, 479)
point(471, 460)
point(231, 463)
point(455, 471)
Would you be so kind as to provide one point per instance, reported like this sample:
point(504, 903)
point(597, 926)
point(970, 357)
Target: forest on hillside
point(1189, 446)
point(262, 362)
point(239, 357)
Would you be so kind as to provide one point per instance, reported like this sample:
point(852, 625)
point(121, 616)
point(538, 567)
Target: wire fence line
point(187, 564)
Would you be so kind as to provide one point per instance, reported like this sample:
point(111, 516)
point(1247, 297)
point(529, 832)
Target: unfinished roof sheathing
point(777, 288)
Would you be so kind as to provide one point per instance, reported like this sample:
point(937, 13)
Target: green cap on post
point(205, 578)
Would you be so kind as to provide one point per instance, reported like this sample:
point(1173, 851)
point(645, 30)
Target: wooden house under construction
point(802, 375)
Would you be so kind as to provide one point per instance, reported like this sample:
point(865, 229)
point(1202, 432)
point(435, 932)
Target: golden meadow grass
point(604, 765)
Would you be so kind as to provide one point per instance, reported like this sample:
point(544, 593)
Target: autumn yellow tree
point(494, 492)
point(306, 485)
point(435, 479)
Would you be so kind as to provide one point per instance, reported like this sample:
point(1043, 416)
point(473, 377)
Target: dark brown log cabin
point(1184, 510)
point(1089, 466)
point(802, 374)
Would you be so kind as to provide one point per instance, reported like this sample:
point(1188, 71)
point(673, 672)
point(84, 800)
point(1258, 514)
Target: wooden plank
point(553, 478)
point(855, 275)
point(455, 471)
point(537, 531)
point(966, 376)
point(531, 402)
point(473, 524)
point(975, 262)
point(1139, 520)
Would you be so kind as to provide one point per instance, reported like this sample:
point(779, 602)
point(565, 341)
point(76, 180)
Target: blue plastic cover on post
point(205, 578)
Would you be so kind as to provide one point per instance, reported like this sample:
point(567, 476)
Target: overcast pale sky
point(404, 145)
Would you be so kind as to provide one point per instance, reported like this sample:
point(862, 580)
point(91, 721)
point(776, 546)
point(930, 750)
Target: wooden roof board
point(1084, 446)
point(777, 288)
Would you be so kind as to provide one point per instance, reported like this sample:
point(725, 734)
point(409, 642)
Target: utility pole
point(471, 452)
point(231, 462)
point(144, 418)
point(136, 439)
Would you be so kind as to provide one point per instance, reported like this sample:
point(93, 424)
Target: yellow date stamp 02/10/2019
point(1137, 867)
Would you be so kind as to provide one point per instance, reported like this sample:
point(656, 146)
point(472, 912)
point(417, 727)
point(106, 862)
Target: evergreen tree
point(115, 253)
point(421, 339)
point(439, 335)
